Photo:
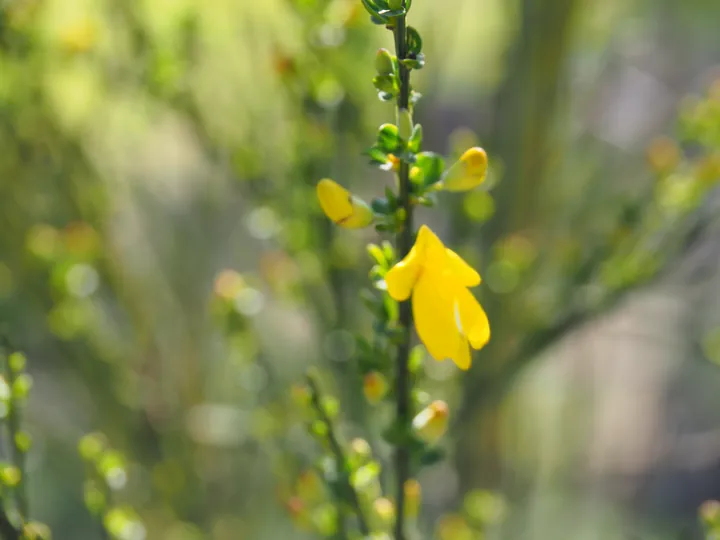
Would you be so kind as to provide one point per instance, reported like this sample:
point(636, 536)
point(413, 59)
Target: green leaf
point(415, 62)
point(432, 166)
point(331, 406)
point(376, 155)
point(392, 310)
point(377, 254)
point(381, 206)
point(414, 42)
point(391, 198)
point(388, 138)
point(432, 456)
point(415, 142)
point(387, 84)
point(416, 359)
point(390, 13)
point(388, 251)
point(365, 475)
point(17, 361)
point(21, 387)
point(372, 8)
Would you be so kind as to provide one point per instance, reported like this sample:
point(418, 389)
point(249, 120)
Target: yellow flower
point(468, 172)
point(341, 206)
point(431, 423)
point(447, 316)
point(375, 387)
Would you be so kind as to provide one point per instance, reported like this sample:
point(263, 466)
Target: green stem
point(338, 452)
point(404, 244)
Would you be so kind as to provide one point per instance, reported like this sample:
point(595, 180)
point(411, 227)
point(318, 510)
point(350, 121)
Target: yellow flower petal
point(466, 274)
point(431, 249)
point(472, 319)
point(434, 318)
point(341, 206)
point(468, 172)
point(462, 356)
point(402, 277)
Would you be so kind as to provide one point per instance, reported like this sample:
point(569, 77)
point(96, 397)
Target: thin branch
point(404, 244)
point(337, 450)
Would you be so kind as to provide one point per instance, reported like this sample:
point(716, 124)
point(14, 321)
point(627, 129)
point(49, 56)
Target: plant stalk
point(338, 452)
point(403, 244)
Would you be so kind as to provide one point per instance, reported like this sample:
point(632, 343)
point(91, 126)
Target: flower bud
point(431, 423)
point(384, 62)
point(384, 511)
point(395, 4)
point(405, 124)
point(468, 172)
point(375, 387)
point(309, 486)
point(342, 207)
point(413, 498)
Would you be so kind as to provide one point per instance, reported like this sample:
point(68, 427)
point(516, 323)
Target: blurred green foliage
point(166, 268)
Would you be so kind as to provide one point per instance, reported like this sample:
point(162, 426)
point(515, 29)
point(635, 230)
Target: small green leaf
point(415, 142)
point(381, 206)
point(414, 42)
point(376, 155)
point(319, 429)
point(432, 166)
point(387, 84)
point(21, 387)
point(391, 198)
point(377, 273)
point(331, 406)
point(414, 62)
point(17, 362)
point(377, 254)
point(392, 310)
point(365, 475)
point(390, 13)
point(388, 138)
point(91, 446)
point(10, 475)
point(432, 456)
point(372, 8)
point(388, 251)
point(23, 441)
point(416, 359)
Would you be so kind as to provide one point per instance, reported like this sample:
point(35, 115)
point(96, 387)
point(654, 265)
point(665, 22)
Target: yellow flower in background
point(342, 207)
point(431, 423)
point(448, 318)
point(80, 36)
point(468, 172)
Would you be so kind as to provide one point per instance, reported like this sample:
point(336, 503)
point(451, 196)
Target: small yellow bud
point(663, 154)
point(375, 387)
point(361, 448)
point(384, 510)
point(413, 498)
point(342, 207)
point(710, 513)
point(431, 423)
point(405, 124)
point(468, 172)
point(384, 62)
point(309, 486)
